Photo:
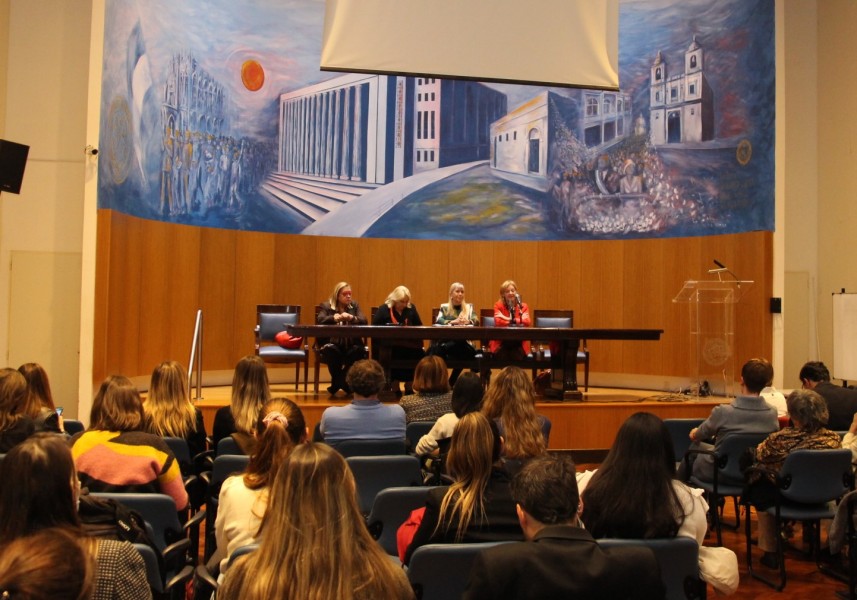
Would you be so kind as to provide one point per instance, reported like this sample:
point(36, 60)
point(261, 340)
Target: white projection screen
point(549, 42)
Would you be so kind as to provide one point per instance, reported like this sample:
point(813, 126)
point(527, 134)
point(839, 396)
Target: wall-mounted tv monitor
point(13, 159)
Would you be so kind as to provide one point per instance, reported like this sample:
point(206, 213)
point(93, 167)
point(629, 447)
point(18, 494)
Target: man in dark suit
point(560, 559)
point(841, 401)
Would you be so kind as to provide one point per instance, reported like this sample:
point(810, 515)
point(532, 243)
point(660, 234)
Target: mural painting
point(216, 115)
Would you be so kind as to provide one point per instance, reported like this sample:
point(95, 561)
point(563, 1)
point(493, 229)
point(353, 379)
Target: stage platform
point(591, 424)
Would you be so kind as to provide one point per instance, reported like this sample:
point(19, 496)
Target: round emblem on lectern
point(715, 351)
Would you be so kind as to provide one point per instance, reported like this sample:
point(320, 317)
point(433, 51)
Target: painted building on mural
point(523, 140)
point(681, 105)
point(452, 122)
point(193, 100)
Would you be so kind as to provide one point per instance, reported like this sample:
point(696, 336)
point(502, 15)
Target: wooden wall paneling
point(681, 261)
point(337, 259)
point(124, 316)
point(255, 274)
point(641, 282)
point(559, 267)
point(101, 330)
point(217, 297)
point(170, 283)
point(384, 265)
point(428, 275)
point(601, 299)
point(517, 261)
point(294, 263)
point(470, 264)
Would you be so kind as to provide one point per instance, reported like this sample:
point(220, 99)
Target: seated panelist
point(398, 310)
point(340, 353)
point(510, 311)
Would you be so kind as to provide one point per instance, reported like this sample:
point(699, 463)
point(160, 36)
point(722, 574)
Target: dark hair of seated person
point(632, 494)
point(467, 394)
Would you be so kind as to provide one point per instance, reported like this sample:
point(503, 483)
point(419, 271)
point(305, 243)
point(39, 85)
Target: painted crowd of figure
point(200, 172)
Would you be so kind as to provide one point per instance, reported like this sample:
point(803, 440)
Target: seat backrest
point(375, 473)
point(153, 569)
point(158, 510)
point(729, 450)
point(816, 476)
point(228, 445)
point(226, 465)
point(441, 571)
point(72, 426)
point(553, 318)
point(272, 318)
point(415, 430)
point(389, 447)
point(181, 451)
point(680, 433)
point(242, 551)
point(486, 317)
point(390, 509)
point(678, 558)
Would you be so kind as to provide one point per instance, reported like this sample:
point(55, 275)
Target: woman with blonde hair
point(250, 391)
point(433, 397)
point(169, 410)
point(478, 507)
point(244, 497)
point(455, 313)
point(314, 542)
point(340, 353)
point(398, 310)
point(511, 402)
point(116, 455)
point(510, 311)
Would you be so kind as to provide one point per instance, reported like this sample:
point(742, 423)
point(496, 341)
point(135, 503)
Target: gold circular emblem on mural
point(744, 152)
point(119, 138)
point(715, 351)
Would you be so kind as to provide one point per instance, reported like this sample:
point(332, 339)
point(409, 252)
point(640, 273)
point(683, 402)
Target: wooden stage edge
point(591, 424)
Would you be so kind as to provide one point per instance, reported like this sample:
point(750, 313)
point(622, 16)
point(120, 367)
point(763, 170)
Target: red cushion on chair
point(288, 341)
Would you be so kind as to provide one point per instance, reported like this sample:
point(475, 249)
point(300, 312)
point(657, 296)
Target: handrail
point(196, 354)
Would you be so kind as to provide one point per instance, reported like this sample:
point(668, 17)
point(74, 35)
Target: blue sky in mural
point(215, 114)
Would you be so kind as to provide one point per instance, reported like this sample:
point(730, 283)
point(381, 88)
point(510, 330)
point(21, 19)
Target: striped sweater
point(129, 461)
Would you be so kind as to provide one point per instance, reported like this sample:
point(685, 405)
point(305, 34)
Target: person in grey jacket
point(748, 413)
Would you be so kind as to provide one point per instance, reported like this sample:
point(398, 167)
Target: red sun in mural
point(252, 75)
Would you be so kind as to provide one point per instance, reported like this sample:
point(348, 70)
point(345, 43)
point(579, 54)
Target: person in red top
point(510, 311)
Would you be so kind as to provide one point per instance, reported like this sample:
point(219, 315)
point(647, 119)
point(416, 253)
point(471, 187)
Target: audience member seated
point(39, 395)
point(15, 424)
point(478, 507)
point(244, 497)
point(315, 543)
point(169, 410)
point(432, 398)
point(455, 313)
point(340, 353)
point(398, 310)
point(250, 391)
point(748, 413)
point(466, 398)
point(511, 401)
point(841, 401)
point(560, 559)
point(116, 455)
point(509, 311)
point(365, 418)
point(45, 496)
point(51, 564)
point(808, 413)
point(642, 459)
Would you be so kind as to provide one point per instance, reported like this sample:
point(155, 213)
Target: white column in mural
point(376, 135)
point(347, 145)
point(337, 132)
point(357, 144)
point(399, 130)
point(330, 134)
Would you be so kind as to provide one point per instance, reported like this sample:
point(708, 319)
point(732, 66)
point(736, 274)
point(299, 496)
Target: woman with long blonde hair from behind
point(314, 542)
point(250, 392)
point(511, 402)
point(169, 411)
point(478, 507)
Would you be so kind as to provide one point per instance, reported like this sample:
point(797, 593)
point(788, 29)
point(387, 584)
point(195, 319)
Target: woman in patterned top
point(809, 415)
point(433, 397)
point(455, 313)
point(44, 496)
point(116, 455)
